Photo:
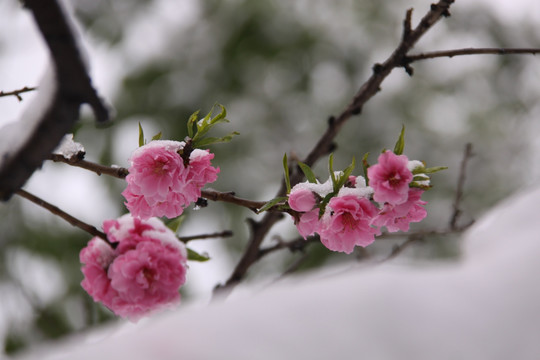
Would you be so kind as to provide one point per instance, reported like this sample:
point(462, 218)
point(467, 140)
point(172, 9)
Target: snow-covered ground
point(483, 307)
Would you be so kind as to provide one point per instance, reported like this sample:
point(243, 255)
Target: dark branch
point(222, 234)
point(229, 197)
point(72, 87)
point(467, 154)
point(469, 51)
point(380, 72)
point(58, 212)
point(118, 172)
point(17, 93)
point(298, 244)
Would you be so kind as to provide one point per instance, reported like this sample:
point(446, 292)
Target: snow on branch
point(25, 144)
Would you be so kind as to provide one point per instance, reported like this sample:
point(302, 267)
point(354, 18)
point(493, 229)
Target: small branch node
point(377, 68)
point(408, 69)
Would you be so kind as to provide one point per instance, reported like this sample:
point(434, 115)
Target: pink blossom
point(308, 223)
point(201, 171)
point(301, 199)
point(146, 278)
point(142, 274)
point(390, 178)
point(160, 184)
point(346, 223)
point(156, 168)
point(398, 217)
point(97, 256)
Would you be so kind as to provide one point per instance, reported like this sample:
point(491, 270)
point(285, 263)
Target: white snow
point(413, 164)
point(69, 148)
point(15, 134)
point(484, 307)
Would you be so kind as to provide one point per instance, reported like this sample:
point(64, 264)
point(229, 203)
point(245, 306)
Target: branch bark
point(469, 51)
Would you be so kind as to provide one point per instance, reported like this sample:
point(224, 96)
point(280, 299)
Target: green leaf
point(331, 170)
point(400, 144)
point(195, 256)
point(192, 119)
point(286, 170)
point(325, 202)
point(310, 176)
point(141, 136)
point(175, 223)
point(435, 169)
point(346, 173)
point(205, 124)
point(420, 186)
point(365, 166)
point(271, 203)
point(420, 177)
point(157, 136)
point(214, 140)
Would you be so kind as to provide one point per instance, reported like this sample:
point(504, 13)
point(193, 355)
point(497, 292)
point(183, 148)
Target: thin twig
point(17, 93)
point(222, 234)
point(469, 51)
point(58, 212)
point(229, 197)
point(298, 244)
point(118, 172)
point(467, 154)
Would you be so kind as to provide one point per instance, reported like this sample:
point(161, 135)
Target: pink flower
point(301, 199)
point(201, 171)
point(146, 278)
point(346, 223)
point(97, 256)
point(160, 184)
point(398, 217)
point(308, 223)
point(390, 178)
point(156, 168)
point(142, 274)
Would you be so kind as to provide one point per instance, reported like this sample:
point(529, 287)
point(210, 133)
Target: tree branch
point(467, 154)
point(17, 93)
point(58, 212)
point(380, 72)
point(118, 172)
point(469, 51)
point(325, 143)
point(229, 197)
point(226, 233)
point(298, 244)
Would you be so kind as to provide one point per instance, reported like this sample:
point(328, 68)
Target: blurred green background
point(281, 68)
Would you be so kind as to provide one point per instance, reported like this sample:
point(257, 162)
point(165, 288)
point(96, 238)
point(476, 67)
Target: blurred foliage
point(282, 68)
